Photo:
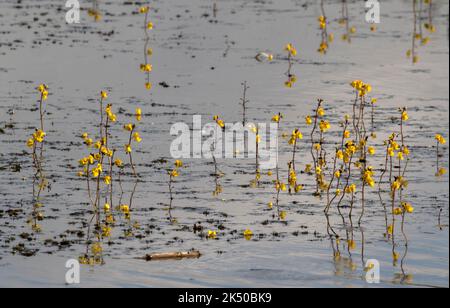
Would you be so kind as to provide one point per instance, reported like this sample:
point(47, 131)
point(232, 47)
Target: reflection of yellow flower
point(248, 234)
point(212, 234)
point(138, 114)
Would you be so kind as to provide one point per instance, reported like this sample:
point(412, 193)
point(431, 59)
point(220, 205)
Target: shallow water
point(204, 60)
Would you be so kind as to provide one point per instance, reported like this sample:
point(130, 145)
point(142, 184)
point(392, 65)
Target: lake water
point(199, 63)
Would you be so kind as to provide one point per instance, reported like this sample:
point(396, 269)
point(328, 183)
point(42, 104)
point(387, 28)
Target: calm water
point(199, 64)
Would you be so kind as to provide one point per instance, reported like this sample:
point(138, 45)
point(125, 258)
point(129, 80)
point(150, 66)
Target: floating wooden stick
point(173, 256)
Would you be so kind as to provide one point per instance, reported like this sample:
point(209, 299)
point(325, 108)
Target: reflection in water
point(94, 11)
point(292, 78)
point(345, 22)
point(418, 35)
point(323, 25)
point(146, 67)
point(440, 140)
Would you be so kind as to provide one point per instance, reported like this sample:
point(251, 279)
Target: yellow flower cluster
point(368, 177)
point(43, 89)
point(296, 135)
point(219, 122)
point(292, 51)
point(440, 139)
point(361, 87)
point(37, 137)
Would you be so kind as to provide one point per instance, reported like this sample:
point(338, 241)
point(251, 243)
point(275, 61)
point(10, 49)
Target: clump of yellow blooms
point(219, 122)
point(440, 139)
point(361, 87)
point(292, 51)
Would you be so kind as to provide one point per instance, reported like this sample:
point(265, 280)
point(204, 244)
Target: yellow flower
point(248, 234)
point(391, 152)
point(308, 120)
point(324, 126)
point(178, 163)
point(317, 146)
point(408, 207)
point(138, 114)
point(337, 174)
point(395, 256)
point(174, 174)
point(124, 209)
point(107, 207)
point(351, 244)
point(400, 156)
point(441, 172)
point(340, 155)
point(144, 9)
point(283, 215)
point(390, 229)
point(347, 134)
point(398, 211)
point(137, 137)
point(39, 135)
point(308, 168)
point(118, 163)
point(276, 118)
point(371, 150)
point(30, 143)
point(128, 127)
point(107, 180)
point(148, 85)
point(146, 68)
point(396, 185)
point(270, 205)
point(405, 116)
point(291, 50)
point(320, 112)
point(103, 95)
point(212, 234)
point(128, 149)
point(106, 231)
point(350, 189)
point(150, 26)
point(440, 139)
point(96, 249)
